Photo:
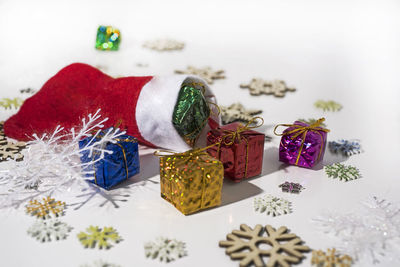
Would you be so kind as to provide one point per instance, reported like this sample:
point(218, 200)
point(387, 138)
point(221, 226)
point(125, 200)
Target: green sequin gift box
point(107, 38)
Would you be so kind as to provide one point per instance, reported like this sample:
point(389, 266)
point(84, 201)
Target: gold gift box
point(191, 181)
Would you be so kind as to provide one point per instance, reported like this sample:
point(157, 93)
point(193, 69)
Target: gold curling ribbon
point(188, 155)
point(303, 130)
point(237, 135)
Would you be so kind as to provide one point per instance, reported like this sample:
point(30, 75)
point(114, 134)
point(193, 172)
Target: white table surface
point(347, 51)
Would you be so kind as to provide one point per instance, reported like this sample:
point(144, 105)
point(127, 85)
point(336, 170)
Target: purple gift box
point(302, 144)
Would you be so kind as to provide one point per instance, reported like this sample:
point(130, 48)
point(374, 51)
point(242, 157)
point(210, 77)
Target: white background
point(347, 51)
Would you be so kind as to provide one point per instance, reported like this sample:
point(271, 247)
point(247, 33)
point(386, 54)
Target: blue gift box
point(116, 167)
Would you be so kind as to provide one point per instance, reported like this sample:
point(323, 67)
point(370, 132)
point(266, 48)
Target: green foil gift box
point(191, 111)
point(191, 181)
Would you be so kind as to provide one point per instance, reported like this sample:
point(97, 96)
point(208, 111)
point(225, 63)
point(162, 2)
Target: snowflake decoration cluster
point(237, 112)
point(206, 73)
point(165, 249)
point(277, 88)
point(345, 147)
point(330, 259)
point(372, 232)
point(52, 163)
point(9, 103)
point(290, 187)
point(328, 105)
point(244, 245)
point(46, 231)
point(164, 45)
point(95, 236)
point(343, 172)
point(9, 150)
point(272, 205)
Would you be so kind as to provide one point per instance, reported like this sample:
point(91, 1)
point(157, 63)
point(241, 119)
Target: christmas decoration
point(165, 249)
point(108, 38)
point(100, 237)
point(144, 105)
point(191, 112)
point(164, 45)
point(312, 121)
point(290, 187)
point(371, 232)
point(272, 205)
point(45, 209)
point(46, 231)
point(346, 147)
point(237, 112)
point(52, 163)
point(328, 105)
point(277, 88)
point(191, 181)
point(302, 144)
point(343, 172)
point(206, 73)
point(330, 259)
point(100, 263)
point(9, 150)
point(239, 148)
point(285, 248)
point(27, 91)
point(9, 103)
point(116, 167)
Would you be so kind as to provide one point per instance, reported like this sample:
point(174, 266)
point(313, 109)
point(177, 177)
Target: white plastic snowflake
point(46, 231)
point(166, 250)
point(346, 147)
point(164, 45)
point(52, 163)
point(272, 205)
point(373, 231)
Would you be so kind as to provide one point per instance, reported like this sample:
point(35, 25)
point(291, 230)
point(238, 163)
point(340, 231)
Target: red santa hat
point(143, 105)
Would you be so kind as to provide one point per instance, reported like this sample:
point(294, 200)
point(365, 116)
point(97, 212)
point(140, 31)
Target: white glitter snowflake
point(372, 232)
point(164, 45)
point(166, 250)
point(272, 205)
point(46, 231)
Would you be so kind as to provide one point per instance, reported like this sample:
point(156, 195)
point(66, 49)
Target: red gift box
point(240, 149)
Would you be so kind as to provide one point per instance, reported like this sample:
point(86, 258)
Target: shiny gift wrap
point(240, 149)
point(107, 38)
point(191, 181)
point(191, 111)
point(302, 144)
point(116, 167)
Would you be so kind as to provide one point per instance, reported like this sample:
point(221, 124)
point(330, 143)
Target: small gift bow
point(303, 130)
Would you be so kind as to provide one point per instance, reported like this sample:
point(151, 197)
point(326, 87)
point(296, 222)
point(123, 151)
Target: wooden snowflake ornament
point(206, 73)
point(330, 259)
point(277, 88)
point(164, 45)
point(244, 245)
point(45, 209)
point(237, 112)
